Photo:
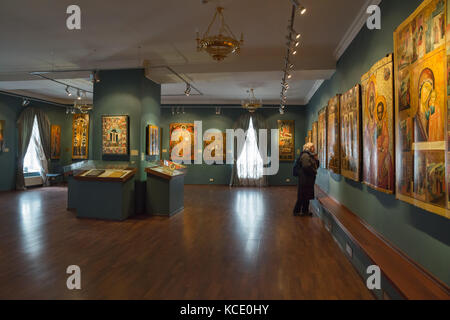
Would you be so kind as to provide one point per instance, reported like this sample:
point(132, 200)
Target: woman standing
point(306, 170)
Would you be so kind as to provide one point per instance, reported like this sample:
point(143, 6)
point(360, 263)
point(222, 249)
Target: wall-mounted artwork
point(350, 133)
point(152, 140)
point(309, 137)
point(286, 140)
point(315, 135)
point(186, 139)
point(378, 126)
point(115, 137)
point(55, 142)
point(322, 137)
point(80, 136)
point(421, 117)
point(333, 135)
point(219, 149)
point(2, 135)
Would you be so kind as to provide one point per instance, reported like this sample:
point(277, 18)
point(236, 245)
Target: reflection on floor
point(227, 244)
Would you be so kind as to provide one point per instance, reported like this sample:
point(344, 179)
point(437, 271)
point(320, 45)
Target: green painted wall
point(200, 174)
point(423, 236)
point(10, 109)
point(125, 92)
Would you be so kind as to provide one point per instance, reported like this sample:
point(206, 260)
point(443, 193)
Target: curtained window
point(32, 161)
point(250, 164)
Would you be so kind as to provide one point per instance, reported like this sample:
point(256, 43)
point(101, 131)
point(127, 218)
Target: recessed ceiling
point(119, 34)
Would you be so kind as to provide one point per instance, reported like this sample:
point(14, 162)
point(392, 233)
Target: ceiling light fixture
point(219, 46)
point(292, 45)
point(187, 92)
point(252, 104)
point(25, 102)
point(301, 9)
point(68, 91)
point(78, 95)
point(83, 107)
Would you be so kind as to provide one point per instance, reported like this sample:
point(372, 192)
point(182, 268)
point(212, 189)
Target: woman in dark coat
point(306, 170)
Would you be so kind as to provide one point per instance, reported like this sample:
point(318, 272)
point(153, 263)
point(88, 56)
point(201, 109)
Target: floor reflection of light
point(249, 208)
point(30, 214)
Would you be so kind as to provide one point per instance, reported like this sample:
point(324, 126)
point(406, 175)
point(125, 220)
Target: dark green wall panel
point(423, 236)
point(125, 92)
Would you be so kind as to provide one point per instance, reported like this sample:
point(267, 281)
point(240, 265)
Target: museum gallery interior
point(150, 149)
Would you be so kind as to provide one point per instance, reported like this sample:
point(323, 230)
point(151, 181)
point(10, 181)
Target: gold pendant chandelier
point(221, 45)
point(83, 107)
point(252, 104)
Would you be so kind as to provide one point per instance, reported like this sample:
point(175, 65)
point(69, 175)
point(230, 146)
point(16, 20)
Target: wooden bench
point(407, 277)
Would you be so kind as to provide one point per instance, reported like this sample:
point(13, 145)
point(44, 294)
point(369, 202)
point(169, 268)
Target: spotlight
point(294, 52)
point(68, 91)
point(291, 66)
point(78, 95)
point(289, 76)
point(297, 43)
point(299, 7)
point(281, 109)
point(25, 102)
point(296, 34)
point(187, 92)
point(173, 111)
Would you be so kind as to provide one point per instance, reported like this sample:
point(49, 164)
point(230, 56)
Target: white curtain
point(35, 159)
point(250, 163)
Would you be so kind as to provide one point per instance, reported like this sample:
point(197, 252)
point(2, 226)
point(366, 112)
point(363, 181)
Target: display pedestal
point(72, 190)
point(103, 198)
point(165, 192)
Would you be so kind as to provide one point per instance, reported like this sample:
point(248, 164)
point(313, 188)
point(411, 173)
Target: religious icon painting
point(378, 158)
point(80, 136)
point(333, 135)
point(55, 136)
point(421, 127)
point(152, 140)
point(182, 142)
point(350, 133)
point(214, 147)
point(115, 138)
point(315, 128)
point(2, 135)
point(322, 137)
point(286, 140)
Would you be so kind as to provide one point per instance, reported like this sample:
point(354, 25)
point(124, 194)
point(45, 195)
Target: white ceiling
point(121, 34)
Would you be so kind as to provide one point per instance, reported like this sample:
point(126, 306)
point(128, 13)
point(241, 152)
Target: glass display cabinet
point(101, 189)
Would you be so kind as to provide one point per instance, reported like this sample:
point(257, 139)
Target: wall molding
point(313, 91)
point(354, 29)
